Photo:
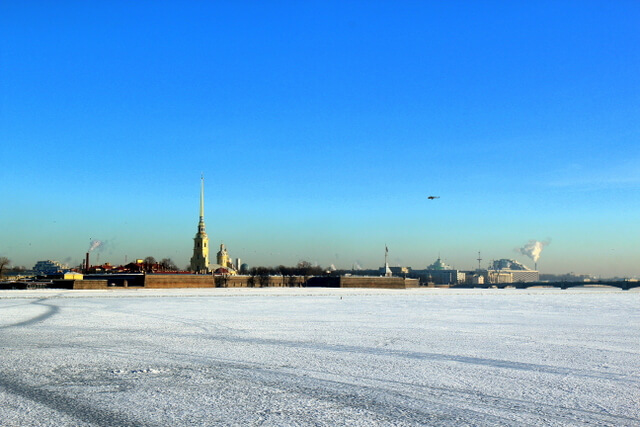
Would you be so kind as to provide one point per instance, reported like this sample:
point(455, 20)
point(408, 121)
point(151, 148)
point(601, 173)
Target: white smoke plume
point(533, 249)
point(95, 244)
point(357, 266)
point(332, 267)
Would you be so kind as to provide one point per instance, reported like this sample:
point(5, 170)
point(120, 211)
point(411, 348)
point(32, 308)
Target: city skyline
point(322, 129)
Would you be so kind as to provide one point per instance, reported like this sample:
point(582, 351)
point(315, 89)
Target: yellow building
point(223, 258)
point(200, 258)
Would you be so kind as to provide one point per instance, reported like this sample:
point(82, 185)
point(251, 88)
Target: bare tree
point(263, 276)
point(168, 264)
point(306, 269)
point(288, 275)
point(251, 282)
point(4, 261)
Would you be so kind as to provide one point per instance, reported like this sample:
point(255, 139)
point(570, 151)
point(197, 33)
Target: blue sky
point(321, 128)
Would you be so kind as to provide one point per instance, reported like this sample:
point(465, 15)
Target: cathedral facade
point(200, 258)
point(200, 263)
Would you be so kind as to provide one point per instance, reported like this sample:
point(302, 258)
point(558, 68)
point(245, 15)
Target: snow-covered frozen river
point(319, 357)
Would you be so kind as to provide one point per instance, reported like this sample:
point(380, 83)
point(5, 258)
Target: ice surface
point(319, 357)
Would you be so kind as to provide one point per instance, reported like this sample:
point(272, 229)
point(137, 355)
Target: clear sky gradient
point(321, 128)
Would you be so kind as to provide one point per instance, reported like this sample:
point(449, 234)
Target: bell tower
point(200, 258)
point(223, 257)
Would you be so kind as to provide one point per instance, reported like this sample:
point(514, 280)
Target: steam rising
point(95, 244)
point(533, 249)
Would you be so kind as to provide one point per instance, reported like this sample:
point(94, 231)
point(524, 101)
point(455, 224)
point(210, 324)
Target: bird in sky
point(433, 197)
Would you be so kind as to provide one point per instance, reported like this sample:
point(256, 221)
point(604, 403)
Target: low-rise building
point(44, 268)
point(511, 271)
point(440, 273)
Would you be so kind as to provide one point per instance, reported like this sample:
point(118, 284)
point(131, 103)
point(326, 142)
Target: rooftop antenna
point(479, 260)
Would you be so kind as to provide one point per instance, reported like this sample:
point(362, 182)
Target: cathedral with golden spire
point(200, 258)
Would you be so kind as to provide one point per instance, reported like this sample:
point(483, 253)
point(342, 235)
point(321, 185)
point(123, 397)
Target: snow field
point(320, 357)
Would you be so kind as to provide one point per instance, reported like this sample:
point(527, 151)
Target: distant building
point(394, 271)
point(43, 268)
point(475, 279)
point(500, 277)
point(224, 263)
point(511, 271)
point(223, 258)
point(508, 264)
point(440, 273)
point(439, 265)
point(400, 271)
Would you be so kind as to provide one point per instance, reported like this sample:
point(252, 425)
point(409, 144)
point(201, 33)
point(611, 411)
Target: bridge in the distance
point(620, 284)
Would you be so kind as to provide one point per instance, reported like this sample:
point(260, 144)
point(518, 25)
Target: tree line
point(303, 268)
point(260, 275)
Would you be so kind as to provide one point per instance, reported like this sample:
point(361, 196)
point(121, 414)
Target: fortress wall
point(87, 284)
point(233, 282)
point(159, 281)
point(209, 281)
point(378, 282)
point(246, 281)
point(364, 282)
